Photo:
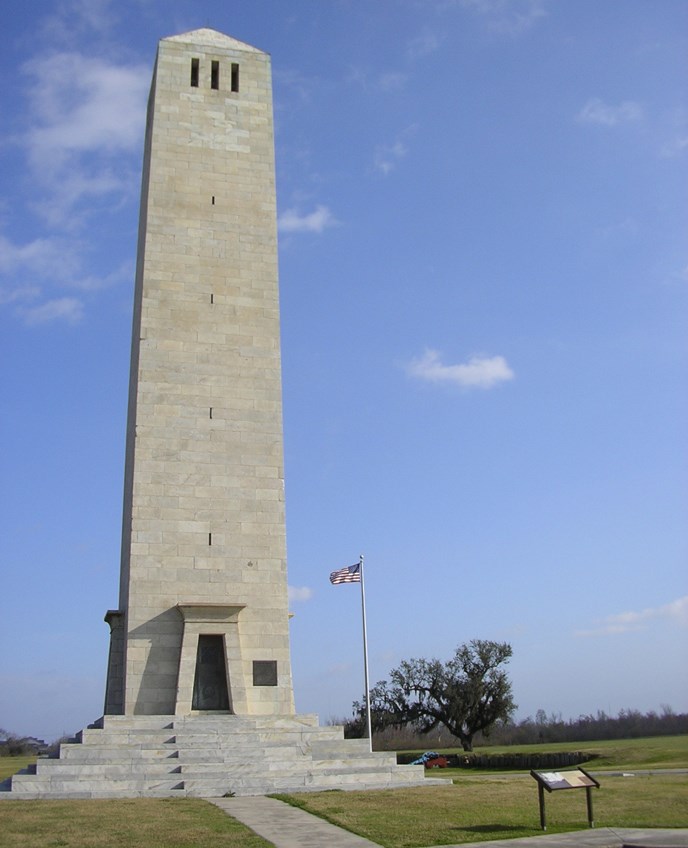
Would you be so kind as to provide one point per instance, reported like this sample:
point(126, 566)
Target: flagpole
point(365, 660)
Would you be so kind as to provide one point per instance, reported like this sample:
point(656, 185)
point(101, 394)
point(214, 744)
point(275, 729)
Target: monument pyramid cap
point(206, 37)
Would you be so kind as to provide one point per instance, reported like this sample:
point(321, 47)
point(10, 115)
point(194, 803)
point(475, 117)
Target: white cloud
point(82, 190)
point(424, 44)
point(81, 103)
point(625, 622)
point(18, 294)
point(392, 80)
point(85, 113)
point(510, 17)
point(299, 594)
point(624, 229)
point(596, 111)
point(75, 18)
point(68, 309)
point(388, 156)
point(92, 282)
point(297, 85)
point(50, 263)
point(479, 372)
point(676, 147)
point(41, 256)
point(84, 118)
point(291, 221)
point(379, 81)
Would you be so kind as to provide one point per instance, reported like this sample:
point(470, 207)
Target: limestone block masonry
point(211, 756)
point(203, 549)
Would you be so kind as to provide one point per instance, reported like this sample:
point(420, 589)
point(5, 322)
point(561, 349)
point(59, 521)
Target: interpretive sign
point(555, 780)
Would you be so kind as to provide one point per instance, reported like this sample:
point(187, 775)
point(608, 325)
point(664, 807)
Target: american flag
point(352, 574)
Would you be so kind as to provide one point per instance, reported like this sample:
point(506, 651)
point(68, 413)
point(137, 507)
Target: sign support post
point(552, 781)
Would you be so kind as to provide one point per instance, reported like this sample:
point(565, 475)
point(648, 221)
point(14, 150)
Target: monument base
point(208, 756)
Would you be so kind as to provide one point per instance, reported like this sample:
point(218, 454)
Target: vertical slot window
point(235, 77)
point(215, 74)
point(194, 73)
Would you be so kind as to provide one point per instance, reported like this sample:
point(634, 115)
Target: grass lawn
point(136, 823)
point(657, 752)
point(477, 809)
point(11, 765)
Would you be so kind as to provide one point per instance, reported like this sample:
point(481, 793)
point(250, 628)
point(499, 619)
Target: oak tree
point(467, 694)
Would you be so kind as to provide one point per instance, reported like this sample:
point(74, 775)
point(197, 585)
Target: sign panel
point(552, 781)
point(566, 780)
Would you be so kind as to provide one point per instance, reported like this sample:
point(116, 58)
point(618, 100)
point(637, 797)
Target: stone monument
point(202, 623)
point(199, 694)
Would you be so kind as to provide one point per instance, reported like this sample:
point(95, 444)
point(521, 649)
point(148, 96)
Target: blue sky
point(484, 289)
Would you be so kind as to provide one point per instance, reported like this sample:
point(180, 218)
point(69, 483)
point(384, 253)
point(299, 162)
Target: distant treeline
point(628, 724)
point(12, 745)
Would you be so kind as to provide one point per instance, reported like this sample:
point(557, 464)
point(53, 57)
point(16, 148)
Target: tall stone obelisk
point(202, 624)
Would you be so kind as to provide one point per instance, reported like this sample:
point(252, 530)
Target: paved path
point(289, 827)
point(603, 837)
point(286, 826)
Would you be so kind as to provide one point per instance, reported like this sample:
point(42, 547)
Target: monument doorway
point(210, 690)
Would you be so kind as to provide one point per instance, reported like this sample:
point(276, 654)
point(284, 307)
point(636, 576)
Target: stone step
point(88, 753)
point(85, 793)
point(231, 743)
point(35, 785)
point(51, 771)
point(304, 720)
point(222, 754)
point(160, 722)
point(265, 735)
point(325, 746)
point(222, 735)
point(174, 756)
point(325, 768)
point(56, 768)
point(77, 756)
point(123, 737)
point(297, 782)
point(207, 787)
point(285, 766)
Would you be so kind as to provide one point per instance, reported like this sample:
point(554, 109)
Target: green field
point(135, 823)
point(482, 808)
point(475, 807)
point(11, 765)
point(481, 805)
point(657, 752)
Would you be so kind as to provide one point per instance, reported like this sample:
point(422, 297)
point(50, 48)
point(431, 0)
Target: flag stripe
point(352, 574)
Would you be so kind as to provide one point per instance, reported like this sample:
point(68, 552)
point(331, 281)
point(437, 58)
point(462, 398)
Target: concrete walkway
point(603, 837)
point(286, 826)
point(289, 827)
